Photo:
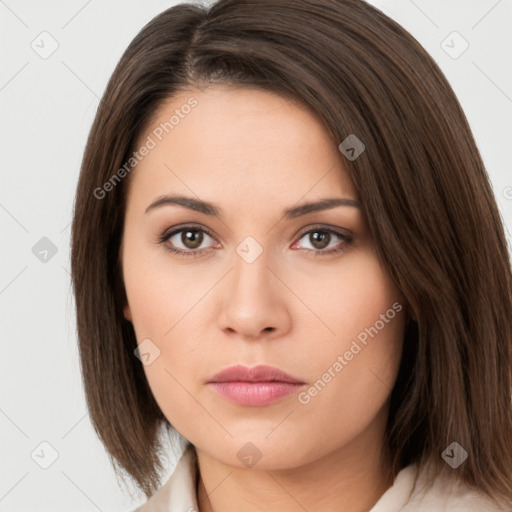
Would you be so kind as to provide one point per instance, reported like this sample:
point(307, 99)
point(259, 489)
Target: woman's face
point(303, 292)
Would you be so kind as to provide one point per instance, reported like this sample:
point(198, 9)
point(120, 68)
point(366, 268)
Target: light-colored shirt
point(179, 493)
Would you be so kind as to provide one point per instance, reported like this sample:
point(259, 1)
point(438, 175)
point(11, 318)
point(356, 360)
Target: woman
point(287, 251)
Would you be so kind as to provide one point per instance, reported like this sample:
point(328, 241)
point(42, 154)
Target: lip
point(260, 373)
point(257, 386)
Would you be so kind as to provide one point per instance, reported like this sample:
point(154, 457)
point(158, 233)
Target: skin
point(254, 154)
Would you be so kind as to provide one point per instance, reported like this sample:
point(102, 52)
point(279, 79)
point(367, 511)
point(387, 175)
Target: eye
point(325, 241)
point(186, 241)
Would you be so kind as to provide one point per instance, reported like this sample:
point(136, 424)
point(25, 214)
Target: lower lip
point(255, 393)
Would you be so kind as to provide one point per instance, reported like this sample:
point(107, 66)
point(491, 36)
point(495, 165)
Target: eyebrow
point(290, 213)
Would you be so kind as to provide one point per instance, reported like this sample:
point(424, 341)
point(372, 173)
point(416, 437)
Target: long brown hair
point(425, 195)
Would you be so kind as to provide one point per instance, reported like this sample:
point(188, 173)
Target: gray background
point(47, 106)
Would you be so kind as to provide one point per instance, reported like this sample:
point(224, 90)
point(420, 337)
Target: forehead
point(238, 143)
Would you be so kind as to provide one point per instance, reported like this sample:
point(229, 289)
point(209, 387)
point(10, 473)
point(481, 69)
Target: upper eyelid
point(178, 229)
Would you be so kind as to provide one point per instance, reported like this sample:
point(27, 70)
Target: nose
point(254, 301)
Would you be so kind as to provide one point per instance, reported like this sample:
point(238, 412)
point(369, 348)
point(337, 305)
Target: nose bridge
point(252, 301)
point(251, 278)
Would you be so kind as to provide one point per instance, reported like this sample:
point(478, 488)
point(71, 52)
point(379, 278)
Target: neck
point(351, 478)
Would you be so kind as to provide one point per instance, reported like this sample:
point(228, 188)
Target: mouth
point(256, 386)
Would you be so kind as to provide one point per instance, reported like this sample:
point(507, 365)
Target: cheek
point(351, 300)
point(161, 302)
point(159, 295)
point(352, 383)
point(356, 361)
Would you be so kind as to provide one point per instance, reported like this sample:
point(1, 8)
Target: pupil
point(192, 239)
point(320, 239)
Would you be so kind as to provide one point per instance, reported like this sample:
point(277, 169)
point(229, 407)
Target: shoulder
point(179, 492)
point(443, 495)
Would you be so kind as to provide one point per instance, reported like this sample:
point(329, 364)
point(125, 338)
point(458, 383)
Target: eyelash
point(198, 252)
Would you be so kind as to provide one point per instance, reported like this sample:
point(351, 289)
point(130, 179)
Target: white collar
point(179, 493)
